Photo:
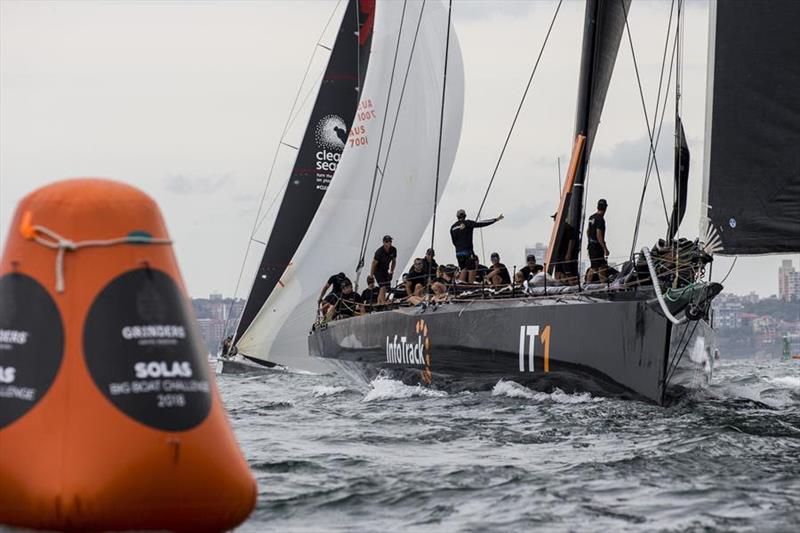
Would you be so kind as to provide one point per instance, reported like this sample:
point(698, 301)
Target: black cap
point(387, 238)
point(602, 204)
point(530, 257)
point(461, 214)
point(495, 254)
point(430, 252)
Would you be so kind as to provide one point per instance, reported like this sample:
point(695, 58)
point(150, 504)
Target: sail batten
point(752, 167)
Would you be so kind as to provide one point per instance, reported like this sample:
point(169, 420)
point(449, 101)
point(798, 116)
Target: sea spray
point(389, 389)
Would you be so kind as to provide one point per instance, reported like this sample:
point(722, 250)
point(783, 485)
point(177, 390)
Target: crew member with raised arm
point(596, 237)
point(461, 235)
point(383, 264)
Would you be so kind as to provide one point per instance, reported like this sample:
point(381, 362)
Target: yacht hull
point(620, 346)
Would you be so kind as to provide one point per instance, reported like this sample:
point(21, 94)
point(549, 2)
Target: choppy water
point(331, 456)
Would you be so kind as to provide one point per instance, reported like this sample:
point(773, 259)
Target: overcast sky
point(187, 100)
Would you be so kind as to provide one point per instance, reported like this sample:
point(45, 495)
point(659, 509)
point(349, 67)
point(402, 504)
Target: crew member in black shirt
point(531, 268)
point(461, 235)
point(343, 305)
point(383, 266)
point(417, 278)
point(498, 273)
point(334, 283)
point(370, 294)
point(350, 303)
point(429, 265)
point(596, 236)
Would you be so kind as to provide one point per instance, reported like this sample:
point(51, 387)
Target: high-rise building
point(788, 281)
point(539, 250)
point(212, 331)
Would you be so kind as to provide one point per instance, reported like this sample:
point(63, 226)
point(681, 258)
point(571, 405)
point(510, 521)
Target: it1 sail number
point(527, 346)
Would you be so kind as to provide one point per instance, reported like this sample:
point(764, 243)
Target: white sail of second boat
point(401, 98)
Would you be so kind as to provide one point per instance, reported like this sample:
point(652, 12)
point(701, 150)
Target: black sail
point(604, 24)
point(319, 153)
point(752, 167)
point(681, 180)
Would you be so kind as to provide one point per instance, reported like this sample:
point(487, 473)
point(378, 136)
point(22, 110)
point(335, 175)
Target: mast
point(604, 22)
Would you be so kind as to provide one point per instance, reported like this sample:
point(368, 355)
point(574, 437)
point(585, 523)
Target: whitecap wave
point(512, 389)
point(390, 389)
point(787, 382)
point(326, 390)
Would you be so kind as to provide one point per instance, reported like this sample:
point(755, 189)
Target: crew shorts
point(466, 260)
point(597, 257)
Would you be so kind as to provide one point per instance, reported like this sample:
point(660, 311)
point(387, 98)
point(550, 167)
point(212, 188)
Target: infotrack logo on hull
point(411, 351)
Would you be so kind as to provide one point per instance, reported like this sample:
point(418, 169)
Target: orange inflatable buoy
point(109, 415)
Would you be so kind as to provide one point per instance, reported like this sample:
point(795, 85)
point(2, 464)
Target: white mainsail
point(403, 209)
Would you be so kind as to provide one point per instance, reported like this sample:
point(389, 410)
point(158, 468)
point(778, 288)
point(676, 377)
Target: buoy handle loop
point(62, 244)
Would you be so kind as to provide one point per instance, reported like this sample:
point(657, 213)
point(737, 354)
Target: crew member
point(444, 281)
point(346, 304)
point(417, 278)
point(498, 273)
point(383, 264)
point(334, 283)
point(429, 265)
point(226, 345)
point(370, 294)
point(531, 268)
point(596, 236)
point(461, 235)
point(350, 304)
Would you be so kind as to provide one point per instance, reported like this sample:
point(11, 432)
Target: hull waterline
point(618, 346)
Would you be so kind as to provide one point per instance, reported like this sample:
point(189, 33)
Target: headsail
point(681, 180)
point(603, 26)
point(319, 153)
point(407, 163)
point(752, 164)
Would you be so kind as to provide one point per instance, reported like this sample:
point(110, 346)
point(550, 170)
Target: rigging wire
point(394, 125)
point(676, 195)
point(380, 144)
point(651, 155)
point(644, 110)
point(729, 270)
point(519, 108)
point(649, 168)
point(514, 122)
point(289, 120)
point(441, 124)
point(676, 189)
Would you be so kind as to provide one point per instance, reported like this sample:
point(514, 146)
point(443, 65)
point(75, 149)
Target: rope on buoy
point(57, 242)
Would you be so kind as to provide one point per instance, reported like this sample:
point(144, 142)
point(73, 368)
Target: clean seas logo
point(331, 132)
point(413, 351)
point(331, 135)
